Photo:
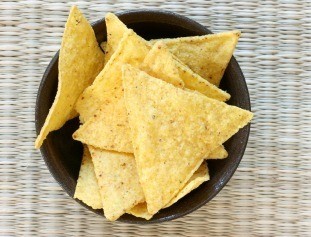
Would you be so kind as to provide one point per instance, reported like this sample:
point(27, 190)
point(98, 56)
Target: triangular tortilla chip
point(140, 210)
point(107, 87)
point(172, 130)
point(199, 177)
point(218, 153)
point(108, 129)
point(118, 182)
point(91, 133)
point(80, 60)
point(115, 31)
point(87, 189)
point(160, 63)
point(206, 55)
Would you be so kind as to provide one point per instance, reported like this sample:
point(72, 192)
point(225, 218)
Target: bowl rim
point(146, 13)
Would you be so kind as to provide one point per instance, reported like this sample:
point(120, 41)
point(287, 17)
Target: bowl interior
point(63, 155)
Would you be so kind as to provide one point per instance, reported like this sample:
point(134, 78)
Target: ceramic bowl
point(63, 155)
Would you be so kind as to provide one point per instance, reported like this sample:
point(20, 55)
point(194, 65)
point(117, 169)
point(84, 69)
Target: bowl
point(63, 155)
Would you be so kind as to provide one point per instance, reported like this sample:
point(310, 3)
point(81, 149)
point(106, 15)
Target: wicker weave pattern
point(269, 195)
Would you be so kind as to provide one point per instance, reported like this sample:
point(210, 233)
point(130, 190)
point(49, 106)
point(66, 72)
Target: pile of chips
point(151, 113)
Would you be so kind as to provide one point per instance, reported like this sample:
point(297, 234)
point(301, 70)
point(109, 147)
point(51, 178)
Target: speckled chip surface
point(172, 131)
point(118, 182)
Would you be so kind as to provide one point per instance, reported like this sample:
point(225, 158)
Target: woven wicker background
point(269, 195)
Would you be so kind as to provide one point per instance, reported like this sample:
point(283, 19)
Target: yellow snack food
point(87, 189)
point(118, 182)
point(199, 177)
point(172, 130)
point(108, 128)
point(80, 60)
point(206, 55)
point(218, 153)
point(160, 63)
point(103, 102)
point(115, 31)
point(150, 118)
point(140, 210)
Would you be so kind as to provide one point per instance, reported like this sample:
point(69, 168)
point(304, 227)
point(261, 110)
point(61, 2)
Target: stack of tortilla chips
point(151, 113)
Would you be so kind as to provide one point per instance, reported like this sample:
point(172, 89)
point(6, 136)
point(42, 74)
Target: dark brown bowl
point(62, 154)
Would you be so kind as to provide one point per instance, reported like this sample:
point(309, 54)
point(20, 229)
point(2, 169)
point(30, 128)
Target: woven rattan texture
point(269, 195)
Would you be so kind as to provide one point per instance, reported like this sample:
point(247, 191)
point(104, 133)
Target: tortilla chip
point(218, 153)
point(140, 210)
point(87, 189)
point(109, 129)
point(172, 130)
point(199, 177)
point(160, 63)
point(80, 60)
point(115, 31)
point(118, 182)
point(103, 46)
point(206, 55)
point(90, 134)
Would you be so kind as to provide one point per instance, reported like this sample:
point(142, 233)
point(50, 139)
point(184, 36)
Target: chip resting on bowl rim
point(75, 75)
